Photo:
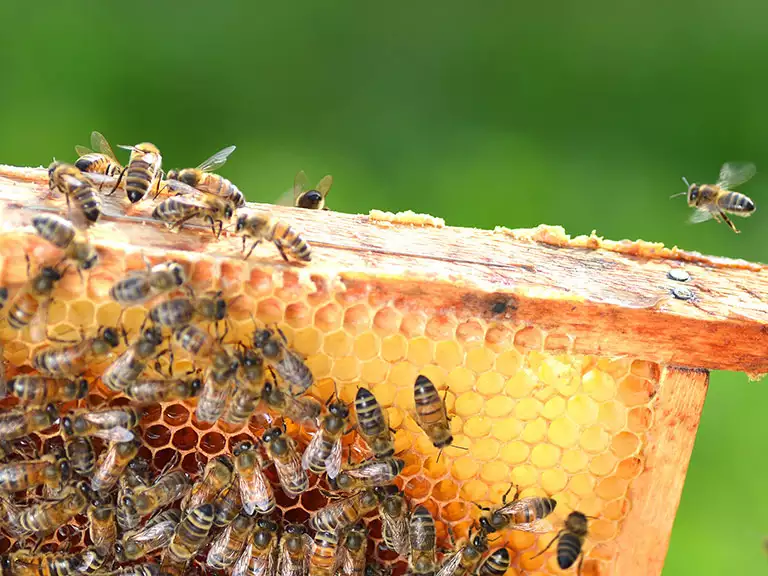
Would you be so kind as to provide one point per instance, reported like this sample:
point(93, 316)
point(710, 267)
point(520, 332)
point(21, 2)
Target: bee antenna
point(686, 181)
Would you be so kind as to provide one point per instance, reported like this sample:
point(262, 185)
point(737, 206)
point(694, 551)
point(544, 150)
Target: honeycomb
point(524, 409)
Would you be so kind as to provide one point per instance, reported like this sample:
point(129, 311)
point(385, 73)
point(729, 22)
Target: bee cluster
point(94, 475)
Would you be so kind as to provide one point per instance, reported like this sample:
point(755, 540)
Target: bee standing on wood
point(260, 226)
point(202, 178)
point(99, 160)
point(190, 203)
point(76, 187)
point(313, 199)
point(143, 172)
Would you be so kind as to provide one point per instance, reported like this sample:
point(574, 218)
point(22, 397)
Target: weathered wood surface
point(616, 301)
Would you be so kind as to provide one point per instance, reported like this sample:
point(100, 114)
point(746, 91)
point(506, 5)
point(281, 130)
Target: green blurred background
point(584, 114)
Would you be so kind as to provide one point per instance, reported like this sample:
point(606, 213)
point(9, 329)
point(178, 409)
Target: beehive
point(556, 355)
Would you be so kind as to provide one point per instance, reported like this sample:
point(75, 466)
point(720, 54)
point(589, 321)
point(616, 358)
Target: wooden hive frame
point(529, 289)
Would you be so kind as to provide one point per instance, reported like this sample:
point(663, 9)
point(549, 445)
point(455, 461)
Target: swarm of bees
point(225, 517)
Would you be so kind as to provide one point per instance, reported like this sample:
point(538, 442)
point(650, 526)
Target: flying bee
point(179, 312)
point(324, 451)
point(36, 292)
point(144, 500)
point(102, 528)
point(341, 513)
point(190, 203)
point(39, 390)
point(288, 365)
point(369, 473)
point(373, 424)
point(26, 474)
point(74, 359)
point(190, 535)
point(113, 424)
point(255, 489)
point(496, 564)
point(570, 541)
point(143, 172)
point(260, 555)
point(227, 505)
point(465, 560)
point(303, 411)
point(313, 199)
point(227, 546)
point(76, 187)
point(295, 548)
point(322, 561)
point(353, 550)
point(45, 517)
point(524, 514)
point(100, 159)
point(250, 383)
point(421, 530)
point(130, 365)
point(112, 464)
point(282, 450)
point(18, 423)
point(203, 179)
point(146, 390)
point(142, 285)
point(393, 511)
point(260, 226)
point(81, 455)
point(62, 233)
point(154, 535)
point(216, 387)
point(218, 475)
point(431, 414)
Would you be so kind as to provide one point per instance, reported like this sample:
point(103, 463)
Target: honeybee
point(313, 199)
point(496, 564)
point(191, 203)
point(135, 477)
point(39, 390)
point(18, 423)
point(179, 312)
point(373, 424)
point(101, 523)
point(526, 514)
point(144, 500)
point(74, 359)
point(324, 451)
point(25, 562)
point(81, 455)
point(90, 560)
point(715, 200)
point(26, 474)
point(130, 365)
point(250, 383)
point(393, 511)
point(203, 179)
point(143, 172)
point(76, 187)
point(113, 424)
point(142, 285)
point(260, 555)
point(45, 517)
point(322, 561)
point(373, 569)
point(112, 464)
point(156, 534)
point(353, 550)
point(341, 513)
point(421, 531)
point(99, 160)
point(149, 569)
point(218, 475)
point(261, 226)
point(227, 505)
point(289, 365)
point(369, 473)
point(62, 233)
point(190, 535)
point(295, 547)
point(570, 541)
point(465, 560)
point(431, 414)
point(305, 410)
point(36, 292)
point(226, 547)
point(282, 450)
point(195, 340)
point(147, 390)
point(216, 387)
point(255, 489)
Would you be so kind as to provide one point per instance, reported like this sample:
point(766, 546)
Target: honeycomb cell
point(529, 338)
point(448, 354)
point(477, 427)
point(616, 510)
point(611, 488)
point(535, 431)
point(645, 369)
point(338, 343)
point(356, 319)
point(417, 488)
point(509, 363)
point(594, 439)
point(519, 540)
point(474, 491)
point(367, 346)
point(163, 457)
point(629, 468)
point(553, 480)
point(460, 380)
point(479, 360)
point(434, 467)
point(601, 530)
point(500, 406)
point(528, 409)
point(582, 409)
point(599, 385)
point(464, 468)
point(454, 511)
point(394, 348)
point(81, 312)
point(634, 390)
point(525, 476)
point(469, 333)
point(582, 484)
point(639, 419)
point(494, 471)
point(157, 435)
point(298, 315)
point(563, 432)
point(420, 351)
point(612, 415)
point(320, 365)
point(522, 384)
point(545, 455)
point(346, 369)
point(185, 438)
point(490, 384)
point(445, 490)
point(212, 443)
point(507, 429)
point(375, 371)
point(625, 444)
point(515, 452)
point(603, 464)
point(468, 404)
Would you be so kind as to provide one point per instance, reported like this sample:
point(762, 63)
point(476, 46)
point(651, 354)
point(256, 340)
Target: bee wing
point(240, 567)
point(104, 419)
point(219, 545)
point(100, 144)
point(256, 493)
point(313, 446)
point(38, 328)
point(333, 463)
point(300, 184)
point(99, 179)
point(286, 471)
point(449, 565)
point(541, 526)
point(217, 160)
point(325, 185)
point(116, 434)
point(519, 505)
point(700, 215)
point(735, 173)
point(82, 150)
point(158, 531)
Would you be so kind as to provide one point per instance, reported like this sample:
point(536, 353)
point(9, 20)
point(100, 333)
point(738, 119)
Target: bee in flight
point(142, 285)
point(717, 200)
point(203, 179)
point(524, 514)
point(314, 199)
point(570, 541)
point(143, 172)
point(260, 226)
point(191, 203)
point(100, 160)
point(62, 233)
point(76, 187)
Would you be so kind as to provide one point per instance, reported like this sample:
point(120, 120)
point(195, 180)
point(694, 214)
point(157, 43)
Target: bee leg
point(549, 545)
point(252, 247)
point(517, 493)
point(119, 179)
point(282, 252)
point(581, 562)
point(728, 221)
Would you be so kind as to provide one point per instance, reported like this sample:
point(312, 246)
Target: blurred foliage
point(493, 113)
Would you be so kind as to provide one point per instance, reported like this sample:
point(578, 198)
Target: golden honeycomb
point(525, 409)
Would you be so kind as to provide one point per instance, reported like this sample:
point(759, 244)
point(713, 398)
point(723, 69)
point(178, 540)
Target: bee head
point(65, 470)
point(220, 308)
point(3, 294)
point(52, 167)
point(244, 446)
point(172, 175)
point(271, 435)
point(194, 386)
point(48, 276)
point(111, 337)
point(311, 199)
point(51, 412)
point(120, 551)
point(66, 423)
point(189, 176)
point(179, 276)
point(339, 409)
point(693, 194)
point(261, 337)
point(576, 522)
point(6, 564)
point(228, 211)
point(241, 221)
